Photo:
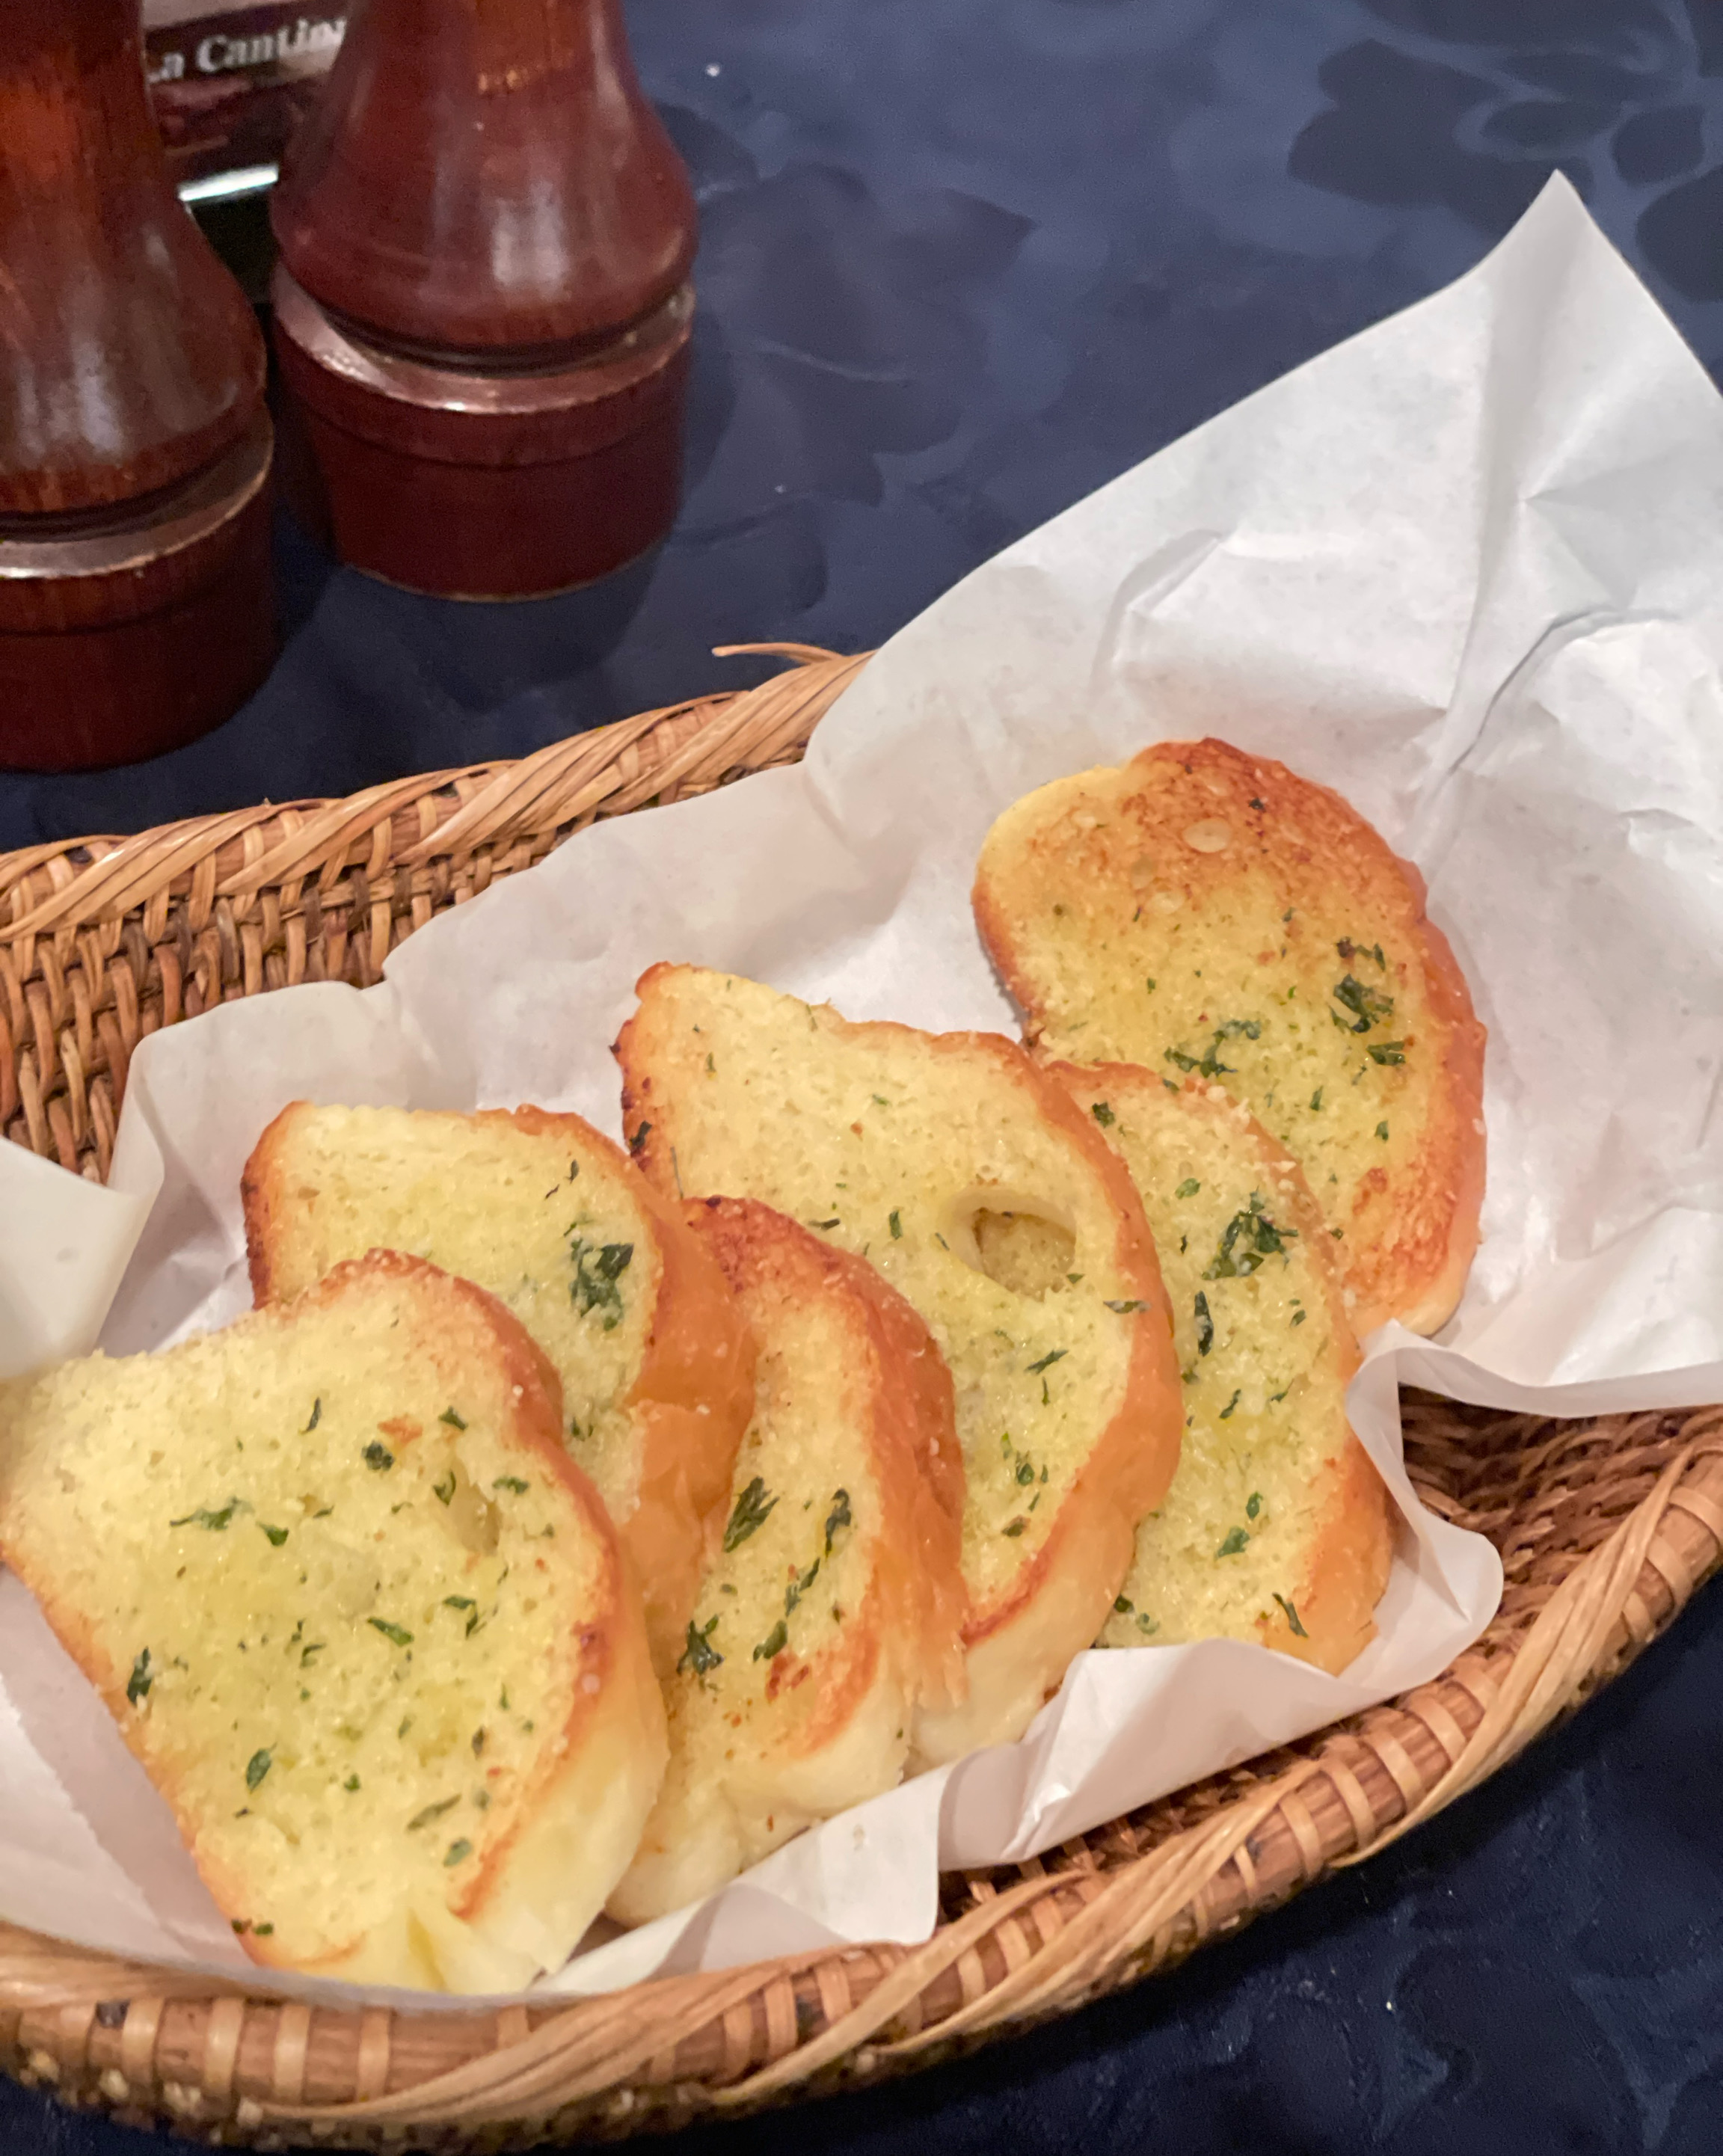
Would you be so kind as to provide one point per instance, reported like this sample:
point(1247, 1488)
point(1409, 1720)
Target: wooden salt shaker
point(135, 602)
point(482, 309)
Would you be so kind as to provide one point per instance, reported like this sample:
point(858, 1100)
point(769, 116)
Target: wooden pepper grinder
point(135, 601)
point(482, 308)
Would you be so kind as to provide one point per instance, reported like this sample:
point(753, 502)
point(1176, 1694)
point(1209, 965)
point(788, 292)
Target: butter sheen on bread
point(366, 1627)
point(897, 1146)
point(1277, 1529)
point(552, 1219)
point(1203, 911)
point(835, 1606)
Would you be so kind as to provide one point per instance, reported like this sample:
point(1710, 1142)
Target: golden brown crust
point(1350, 1561)
point(926, 1542)
point(690, 1402)
point(1408, 1248)
point(1442, 1257)
point(690, 1399)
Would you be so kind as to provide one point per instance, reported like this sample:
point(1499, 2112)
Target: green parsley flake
point(257, 1766)
point(1205, 1324)
point(277, 1535)
point(697, 1656)
point(142, 1677)
point(510, 1482)
point(1209, 1064)
point(397, 1633)
point(1126, 1308)
point(750, 1513)
point(598, 1270)
point(1235, 1542)
point(1386, 1051)
point(1053, 1355)
point(431, 1812)
point(774, 1642)
point(378, 1457)
point(1249, 1239)
point(1367, 1006)
point(1188, 1188)
point(452, 1419)
point(1225, 1412)
point(203, 1517)
point(443, 1489)
point(1102, 1114)
point(1349, 949)
point(457, 1852)
point(1291, 1610)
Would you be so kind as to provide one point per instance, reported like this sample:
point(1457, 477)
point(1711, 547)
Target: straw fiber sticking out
point(1606, 1528)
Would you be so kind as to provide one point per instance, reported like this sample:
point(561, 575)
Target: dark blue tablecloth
point(963, 261)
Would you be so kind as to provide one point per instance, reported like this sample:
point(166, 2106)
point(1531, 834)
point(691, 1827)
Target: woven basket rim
point(1607, 1526)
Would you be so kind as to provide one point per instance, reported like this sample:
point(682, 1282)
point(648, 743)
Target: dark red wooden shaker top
point(484, 307)
point(135, 603)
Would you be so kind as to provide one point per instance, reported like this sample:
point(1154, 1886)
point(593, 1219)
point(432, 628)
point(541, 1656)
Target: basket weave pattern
point(1606, 1529)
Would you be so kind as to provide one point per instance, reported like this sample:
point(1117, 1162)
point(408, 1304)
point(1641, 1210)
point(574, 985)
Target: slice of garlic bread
point(1277, 1529)
point(835, 1606)
point(1206, 911)
point(899, 1146)
point(366, 1627)
point(552, 1219)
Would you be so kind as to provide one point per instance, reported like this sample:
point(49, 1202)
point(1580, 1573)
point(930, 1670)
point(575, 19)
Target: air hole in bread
point(1012, 1240)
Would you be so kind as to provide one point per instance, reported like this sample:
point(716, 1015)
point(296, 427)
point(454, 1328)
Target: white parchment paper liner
point(1469, 569)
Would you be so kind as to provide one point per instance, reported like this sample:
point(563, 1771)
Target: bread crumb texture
point(553, 1219)
point(365, 1625)
point(903, 1148)
point(1211, 915)
point(833, 1604)
point(1276, 1529)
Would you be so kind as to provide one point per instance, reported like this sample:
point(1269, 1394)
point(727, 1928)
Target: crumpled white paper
point(1467, 569)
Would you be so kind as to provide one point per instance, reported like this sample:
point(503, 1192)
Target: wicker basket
point(1605, 1528)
